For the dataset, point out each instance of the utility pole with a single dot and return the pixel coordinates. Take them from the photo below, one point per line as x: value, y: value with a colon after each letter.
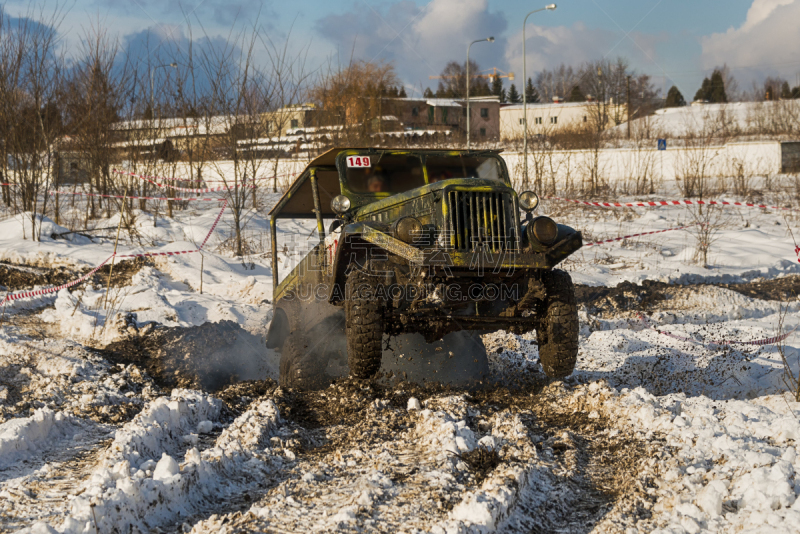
x: 549, y: 7
x: 488, y: 40
x: 628, y: 91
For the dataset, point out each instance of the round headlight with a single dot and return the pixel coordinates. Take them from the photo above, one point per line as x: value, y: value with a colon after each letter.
x: 408, y: 229
x: 544, y: 230
x: 340, y: 204
x: 528, y: 200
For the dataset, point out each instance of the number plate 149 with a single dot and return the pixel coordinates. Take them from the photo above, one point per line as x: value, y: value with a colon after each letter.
x: 358, y: 161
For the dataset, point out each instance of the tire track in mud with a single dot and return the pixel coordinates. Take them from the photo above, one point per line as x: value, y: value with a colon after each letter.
x: 44, y: 495
x: 354, y: 457
x: 412, y: 470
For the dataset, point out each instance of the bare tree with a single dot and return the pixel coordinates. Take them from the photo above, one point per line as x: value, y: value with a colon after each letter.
x: 557, y: 82
x: 453, y: 81
x: 351, y: 96
x: 285, y: 86
x: 92, y: 105
x: 35, y: 104
x: 236, y: 98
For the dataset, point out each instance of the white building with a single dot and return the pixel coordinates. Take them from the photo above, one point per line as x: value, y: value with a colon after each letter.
x: 544, y: 119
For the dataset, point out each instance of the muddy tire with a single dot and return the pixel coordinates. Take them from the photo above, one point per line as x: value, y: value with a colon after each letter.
x: 557, y: 329
x: 365, y: 318
x: 299, y: 367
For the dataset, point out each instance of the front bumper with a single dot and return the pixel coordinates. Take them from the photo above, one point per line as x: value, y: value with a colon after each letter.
x: 478, y: 259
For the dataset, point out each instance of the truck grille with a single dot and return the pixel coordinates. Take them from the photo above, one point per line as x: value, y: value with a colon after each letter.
x: 481, y: 221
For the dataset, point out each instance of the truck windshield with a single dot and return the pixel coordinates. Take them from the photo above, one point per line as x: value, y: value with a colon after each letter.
x: 383, y: 173
x: 462, y: 166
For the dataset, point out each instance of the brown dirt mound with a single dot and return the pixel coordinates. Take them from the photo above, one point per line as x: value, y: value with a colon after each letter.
x: 786, y: 288
x: 15, y: 277
x: 650, y: 294
x: 625, y: 296
x: 207, y: 357
x: 19, y: 277
x: 123, y: 271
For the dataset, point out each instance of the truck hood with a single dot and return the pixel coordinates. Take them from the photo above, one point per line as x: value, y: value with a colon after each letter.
x: 471, y: 183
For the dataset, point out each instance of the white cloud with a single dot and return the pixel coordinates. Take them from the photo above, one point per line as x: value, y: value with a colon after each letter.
x: 420, y: 42
x: 548, y: 47
x: 769, y: 36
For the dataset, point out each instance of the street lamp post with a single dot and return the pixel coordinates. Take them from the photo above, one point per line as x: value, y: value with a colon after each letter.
x: 488, y: 40
x: 152, y: 91
x: 525, y: 94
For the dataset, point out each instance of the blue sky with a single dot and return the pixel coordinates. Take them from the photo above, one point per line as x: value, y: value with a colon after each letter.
x: 675, y: 41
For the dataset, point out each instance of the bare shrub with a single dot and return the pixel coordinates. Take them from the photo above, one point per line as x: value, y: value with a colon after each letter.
x: 707, y: 222
x: 791, y: 379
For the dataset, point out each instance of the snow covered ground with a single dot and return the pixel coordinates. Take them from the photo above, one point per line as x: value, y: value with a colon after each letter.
x: 651, y: 433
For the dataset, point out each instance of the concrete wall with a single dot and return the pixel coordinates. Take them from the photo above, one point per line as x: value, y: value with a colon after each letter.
x: 571, y: 168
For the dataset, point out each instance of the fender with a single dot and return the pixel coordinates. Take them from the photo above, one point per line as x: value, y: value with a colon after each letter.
x: 355, y: 242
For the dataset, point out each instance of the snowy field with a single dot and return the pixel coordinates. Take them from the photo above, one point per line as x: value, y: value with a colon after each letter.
x: 663, y: 427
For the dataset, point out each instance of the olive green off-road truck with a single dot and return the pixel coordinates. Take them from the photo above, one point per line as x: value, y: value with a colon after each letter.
x: 426, y: 241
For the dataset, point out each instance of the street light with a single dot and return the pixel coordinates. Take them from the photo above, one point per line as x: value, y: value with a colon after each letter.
x: 549, y: 7
x: 152, y: 92
x: 488, y: 40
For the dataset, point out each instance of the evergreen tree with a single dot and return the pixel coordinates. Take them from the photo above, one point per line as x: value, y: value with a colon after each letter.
x: 718, y: 87
x: 796, y: 92
x: 513, y: 95
x: 576, y: 95
x: 675, y: 98
x: 497, y: 86
x: 786, y: 93
x: 503, y: 96
x: 402, y: 93
x: 531, y: 95
x: 441, y: 92
x: 427, y: 93
x: 704, y: 93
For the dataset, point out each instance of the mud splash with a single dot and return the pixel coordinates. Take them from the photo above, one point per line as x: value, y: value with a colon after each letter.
x: 207, y: 357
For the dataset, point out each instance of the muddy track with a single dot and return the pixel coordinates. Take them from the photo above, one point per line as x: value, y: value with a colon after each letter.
x: 377, y: 465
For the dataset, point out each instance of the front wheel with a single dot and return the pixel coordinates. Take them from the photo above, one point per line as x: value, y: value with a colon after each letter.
x: 558, y: 325
x: 364, y: 311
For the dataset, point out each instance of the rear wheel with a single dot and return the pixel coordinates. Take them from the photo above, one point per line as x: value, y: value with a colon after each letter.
x: 557, y: 329
x: 365, y: 323
x: 299, y: 367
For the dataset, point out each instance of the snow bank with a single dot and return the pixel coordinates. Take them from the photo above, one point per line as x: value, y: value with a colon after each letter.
x: 26, y: 436
x: 734, y: 466
x: 485, y: 510
x: 142, y: 485
x: 442, y: 427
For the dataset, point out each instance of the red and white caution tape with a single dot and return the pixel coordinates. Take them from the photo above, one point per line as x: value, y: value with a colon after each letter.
x: 654, y: 203
x: 637, y: 235
x: 216, y: 222
x: 649, y: 323
x: 176, y: 253
x: 12, y: 297
x: 130, y: 197
x: 209, y: 181
x: 47, y: 290
x: 185, y: 189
